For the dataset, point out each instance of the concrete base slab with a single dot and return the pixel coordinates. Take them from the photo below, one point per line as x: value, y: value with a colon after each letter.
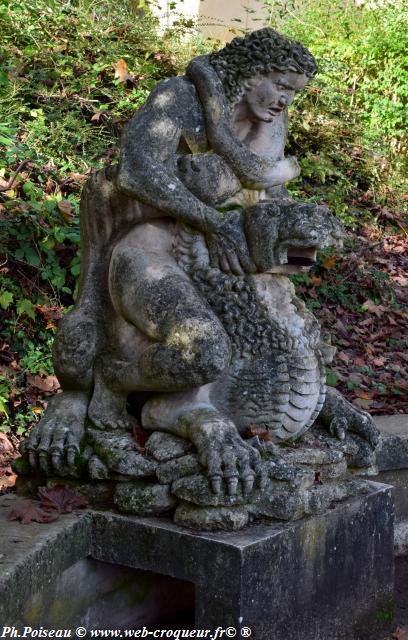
x: 329, y: 576
x: 394, y: 451
x: 393, y: 459
x: 401, y: 539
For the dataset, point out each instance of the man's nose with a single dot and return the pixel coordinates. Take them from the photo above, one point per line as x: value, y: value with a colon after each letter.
x: 283, y: 100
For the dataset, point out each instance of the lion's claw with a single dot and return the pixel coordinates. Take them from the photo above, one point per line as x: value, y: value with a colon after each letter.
x: 227, y: 457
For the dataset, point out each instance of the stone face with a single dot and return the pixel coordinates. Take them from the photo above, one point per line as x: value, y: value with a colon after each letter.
x: 186, y: 312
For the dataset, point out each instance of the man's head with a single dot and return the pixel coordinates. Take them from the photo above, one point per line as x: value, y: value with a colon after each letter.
x: 244, y: 62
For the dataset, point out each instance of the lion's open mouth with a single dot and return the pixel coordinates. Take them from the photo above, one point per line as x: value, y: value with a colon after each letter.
x: 301, y: 257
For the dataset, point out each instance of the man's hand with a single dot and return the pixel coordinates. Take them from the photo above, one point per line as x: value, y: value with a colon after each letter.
x: 228, y: 247
x: 283, y: 171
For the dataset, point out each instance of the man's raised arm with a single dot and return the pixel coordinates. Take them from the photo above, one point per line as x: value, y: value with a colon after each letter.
x: 149, y: 142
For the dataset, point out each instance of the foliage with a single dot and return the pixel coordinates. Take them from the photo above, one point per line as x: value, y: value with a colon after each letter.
x: 73, y: 72
x: 348, y: 128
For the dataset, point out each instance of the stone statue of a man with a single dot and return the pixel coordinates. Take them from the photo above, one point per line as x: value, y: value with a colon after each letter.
x: 184, y: 297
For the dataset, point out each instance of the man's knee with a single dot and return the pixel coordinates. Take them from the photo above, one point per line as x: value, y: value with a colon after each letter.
x: 74, y: 351
x: 204, y: 348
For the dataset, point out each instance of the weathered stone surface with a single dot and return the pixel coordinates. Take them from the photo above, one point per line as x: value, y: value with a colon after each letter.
x: 186, y: 306
x: 165, y: 446
x: 401, y: 539
x: 281, y: 505
x: 32, y: 556
x: 398, y: 478
x: 97, y: 469
x: 98, y: 595
x: 211, y: 518
x: 394, y: 452
x: 144, y: 498
x: 328, y: 576
x: 392, y: 425
x: 197, y: 489
x: 178, y: 468
x: 118, y: 452
x: 98, y: 493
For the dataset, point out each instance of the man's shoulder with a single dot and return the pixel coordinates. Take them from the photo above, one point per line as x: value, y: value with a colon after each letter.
x: 177, y: 86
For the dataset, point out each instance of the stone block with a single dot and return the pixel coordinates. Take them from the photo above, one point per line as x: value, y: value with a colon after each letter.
x: 398, y: 478
x: 32, y: 556
x: 394, y: 450
x: 144, y: 498
x: 321, y: 577
x: 328, y: 576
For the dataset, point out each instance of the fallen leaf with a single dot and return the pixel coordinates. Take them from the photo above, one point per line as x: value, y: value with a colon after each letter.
x: 8, y: 480
x: 6, y: 447
x: 379, y: 362
x: 362, y: 393
x: 362, y: 403
x: 343, y: 356
x: 122, y: 71
x: 61, y: 498
x: 140, y: 435
x: 330, y: 262
x: 66, y: 209
x: 27, y: 511
x: 403, y: 385
x: 48, y: 384
x: 97, y: 116
x: 258, y: 430
x: 401, y: 633
x: 371, y: 307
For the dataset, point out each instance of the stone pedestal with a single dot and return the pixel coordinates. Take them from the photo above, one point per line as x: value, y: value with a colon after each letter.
x: 324, y: 577
x: 330, y: 576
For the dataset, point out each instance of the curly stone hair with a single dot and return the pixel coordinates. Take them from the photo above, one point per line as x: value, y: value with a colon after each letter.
x: 258, y: 53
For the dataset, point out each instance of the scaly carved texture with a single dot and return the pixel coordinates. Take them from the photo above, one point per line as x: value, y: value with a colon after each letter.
x: 275, y: 379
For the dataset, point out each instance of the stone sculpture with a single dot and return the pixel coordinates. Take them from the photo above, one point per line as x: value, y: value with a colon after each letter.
x: 186, y: 312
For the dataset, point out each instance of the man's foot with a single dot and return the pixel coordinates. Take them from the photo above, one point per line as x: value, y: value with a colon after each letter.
x: 54, y: 443
x: 107, y: 409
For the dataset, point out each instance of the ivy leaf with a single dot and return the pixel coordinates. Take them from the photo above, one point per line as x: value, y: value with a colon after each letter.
x: 32, y: 257
x: 331, y: 378
x: 27, y: 307
x: 6, y: 298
